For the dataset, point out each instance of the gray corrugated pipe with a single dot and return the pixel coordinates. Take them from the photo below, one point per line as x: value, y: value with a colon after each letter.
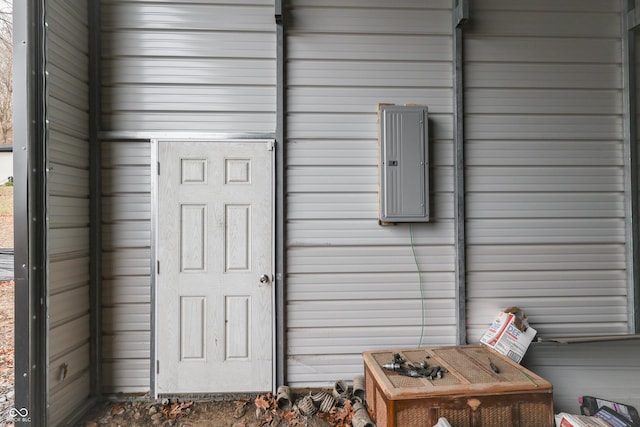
x: 361, y: 416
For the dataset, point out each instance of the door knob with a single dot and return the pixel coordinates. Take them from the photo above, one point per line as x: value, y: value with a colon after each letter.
x: 264, y: 278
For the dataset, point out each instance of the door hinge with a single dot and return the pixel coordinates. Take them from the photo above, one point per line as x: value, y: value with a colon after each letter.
x: 271, y: 145
x: 157, y: 366
x: 158, y: 267
x: 158, y: 168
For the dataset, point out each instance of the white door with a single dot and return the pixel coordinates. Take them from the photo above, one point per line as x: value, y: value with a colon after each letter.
x: 214, y: 243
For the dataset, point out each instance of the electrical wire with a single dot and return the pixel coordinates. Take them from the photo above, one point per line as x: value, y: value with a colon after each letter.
x: 415, y: 259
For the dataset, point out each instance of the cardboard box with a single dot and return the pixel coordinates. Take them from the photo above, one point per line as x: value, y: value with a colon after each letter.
x: 570, y: 420
x: 504, y: 337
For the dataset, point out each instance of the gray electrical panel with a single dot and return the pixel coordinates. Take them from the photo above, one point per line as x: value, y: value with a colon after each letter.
x: 404, y: 161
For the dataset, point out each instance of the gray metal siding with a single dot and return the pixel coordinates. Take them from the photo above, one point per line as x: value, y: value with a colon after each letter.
x: 198, y: 66
x: 352, y: 285
x: 544, y: 173
x: 544, y: 142
x: 68, y: 207
x: 126, y: 246
x: 167, y: 66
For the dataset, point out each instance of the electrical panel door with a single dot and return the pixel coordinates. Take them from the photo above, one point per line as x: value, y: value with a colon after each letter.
x: 404, y: 161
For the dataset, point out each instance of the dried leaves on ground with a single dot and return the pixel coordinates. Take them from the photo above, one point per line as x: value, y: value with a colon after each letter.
x: 260, y: 410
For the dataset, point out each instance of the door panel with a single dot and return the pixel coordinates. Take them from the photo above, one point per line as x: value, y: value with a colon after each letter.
x: 214, y: 321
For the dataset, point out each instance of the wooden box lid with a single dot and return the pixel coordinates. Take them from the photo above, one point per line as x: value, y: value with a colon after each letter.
x: 468, y: 372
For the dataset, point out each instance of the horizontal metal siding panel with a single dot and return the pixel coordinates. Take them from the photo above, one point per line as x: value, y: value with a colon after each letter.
x: 126, y: 180
x: 542, y: 50
x: 175, y: 121
x: 69, y: 273
x: 370, y: 313
x: 215, y: 67
x: 67, y: 198
x: 344, y: 179
x: 68, y: 19
x: 564, y: 355
x: 545, y: 179
x: 353, y: 285
x: 127, y: 262
x: 68, y: 150
x: 214, y: 49
x: 323, y: 371
x: 359, y: 259
x: 126, y: 246
x: 350, y: 206
x: 193, y: 16
x: 365, y: 100
x: 370, y: 47
x: 376, y: 4
x: 550, y: 257
x: 68, y: 336
x: 125, y: 153
x: 542, y: 75
x: 332, y: 206
x: 69, y: 368
x: 331, y: 233
x: 65, y: 403
x: 353, y: 153
x: 373, y: 286
x: 68, y: 305
x: 366, y: 19
x: 126, y: 290
x: 208, y: 2
x: 395, y: 74
x: 556, y: 23
x: 194, y: 71
x: 67, y: 119
x: 580, y: 367
x: 126, y: 235
x: 193, y: 98
x: 545, y: 231
x: 65, y: 241
x: 356, y: 126
x: 67, y: 88
x: 126, y: 376
x: 544, y: 152
x: 543, y: 101
x: 544, y: 127
x: 546, y: 205
x: 349, y: 340
x: 129, y: 345
x: 552, y: 5
x: 564, y: 316
x: 538, y: 284
x: 545, y: 182
x: 546, y: 268
x: 126, y: 207
x: 126, y: 317
x: 341, y: 179
x: 72, y: 56
x: 67, y: 212
x: 68, y: 181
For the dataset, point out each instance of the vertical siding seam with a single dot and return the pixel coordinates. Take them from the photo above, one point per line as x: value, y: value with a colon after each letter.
x: 280, y: 313
x: 460, y: 17
x: 95, y: 153
x: 629, y: 71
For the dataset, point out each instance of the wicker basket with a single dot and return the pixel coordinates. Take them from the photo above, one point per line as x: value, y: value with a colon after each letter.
x: 469, y: 394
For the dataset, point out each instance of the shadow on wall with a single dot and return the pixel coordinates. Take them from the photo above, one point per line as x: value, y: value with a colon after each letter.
x: 609, y: 370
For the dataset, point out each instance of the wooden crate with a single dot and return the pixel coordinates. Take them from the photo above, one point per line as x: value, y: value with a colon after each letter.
x: 470, y: 394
